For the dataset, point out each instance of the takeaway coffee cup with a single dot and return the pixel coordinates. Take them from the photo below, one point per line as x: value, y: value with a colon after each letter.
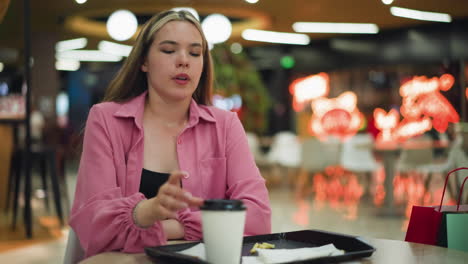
x: 223, y: 228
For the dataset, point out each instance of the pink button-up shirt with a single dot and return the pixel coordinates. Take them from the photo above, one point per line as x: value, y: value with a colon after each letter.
x: 212, y: 149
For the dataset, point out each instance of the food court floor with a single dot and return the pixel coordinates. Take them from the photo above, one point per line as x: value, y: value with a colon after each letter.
x: 356, y: 217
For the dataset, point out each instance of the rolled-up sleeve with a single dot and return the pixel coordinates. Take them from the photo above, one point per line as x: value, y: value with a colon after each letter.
x: 191, y: 220
x: 101, y: 215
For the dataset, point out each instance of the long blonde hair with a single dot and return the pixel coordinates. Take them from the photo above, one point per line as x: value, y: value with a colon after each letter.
x: 131, y: 81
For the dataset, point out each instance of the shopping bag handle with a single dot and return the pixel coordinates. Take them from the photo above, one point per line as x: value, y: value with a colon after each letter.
x: 445, y: 185
x: 461, y: 193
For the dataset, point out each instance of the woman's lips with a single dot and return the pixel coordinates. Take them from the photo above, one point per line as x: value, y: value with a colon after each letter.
x: 181, y: 79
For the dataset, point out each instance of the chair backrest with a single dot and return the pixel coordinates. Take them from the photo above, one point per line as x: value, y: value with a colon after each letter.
x: 254, y: 146
x: 285, y: 150
x: 456, y: 156
x: 312, y: 155
x: 73, y: 253
x: 357, y: 154
x: 332, y: 149
x: 419, y: 152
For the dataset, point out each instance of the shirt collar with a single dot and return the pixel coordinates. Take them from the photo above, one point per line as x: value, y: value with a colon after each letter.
x: 199, y: 111
x: 135, y: 108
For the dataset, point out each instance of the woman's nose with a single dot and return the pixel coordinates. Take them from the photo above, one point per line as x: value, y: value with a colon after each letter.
x: 182, y: 61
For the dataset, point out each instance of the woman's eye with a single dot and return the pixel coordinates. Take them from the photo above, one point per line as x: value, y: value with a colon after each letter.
x: 168, y: 51
x: 195, y: 54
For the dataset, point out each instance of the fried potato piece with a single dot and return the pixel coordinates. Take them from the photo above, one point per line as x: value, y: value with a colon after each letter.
x: 263, y: 245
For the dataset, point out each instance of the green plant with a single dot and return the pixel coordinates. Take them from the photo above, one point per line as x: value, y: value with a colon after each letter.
x: 235, y: 74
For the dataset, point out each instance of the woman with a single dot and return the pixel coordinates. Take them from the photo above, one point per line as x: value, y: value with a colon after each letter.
x: 153, y: 129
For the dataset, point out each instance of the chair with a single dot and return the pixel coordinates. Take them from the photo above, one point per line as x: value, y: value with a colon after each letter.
x: 455, y: 158
x: 285, y: 154
x: 357, y: 156
x: 74, y: 253
x: 285, y: 150
x: 316, y: 156
x: 254, y: 145
x: 46, y: 157
x: 416, y: 153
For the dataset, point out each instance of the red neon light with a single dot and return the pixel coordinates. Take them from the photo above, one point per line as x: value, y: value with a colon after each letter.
x: 308, y: 88
x: 386, y: 122
x: 422, y: 98
x: 446, y: 82
x: 423, y: 107
x: 336, y: 117
x: 419, y: 85
x: 407, y: 129
x: 341, y: 189
x: 435, y: 105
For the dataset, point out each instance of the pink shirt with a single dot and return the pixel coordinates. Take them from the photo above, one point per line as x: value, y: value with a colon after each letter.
x: 212, y: 149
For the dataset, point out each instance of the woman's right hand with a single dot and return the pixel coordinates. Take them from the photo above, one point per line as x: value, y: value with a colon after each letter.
x: 170, y: 199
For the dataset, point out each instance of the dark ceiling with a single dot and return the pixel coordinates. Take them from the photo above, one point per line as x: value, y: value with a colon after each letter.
x: 49, y: 15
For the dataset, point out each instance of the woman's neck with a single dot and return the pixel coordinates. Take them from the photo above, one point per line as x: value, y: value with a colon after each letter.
x: 170, y: 113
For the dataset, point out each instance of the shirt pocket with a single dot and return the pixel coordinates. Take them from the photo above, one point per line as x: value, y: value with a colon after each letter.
x: 213, y: 174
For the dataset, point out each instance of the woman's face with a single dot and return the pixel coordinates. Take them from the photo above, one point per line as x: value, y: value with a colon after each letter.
x: 174, y: 62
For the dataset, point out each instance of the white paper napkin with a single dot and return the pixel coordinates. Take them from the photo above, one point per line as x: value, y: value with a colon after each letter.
x: 271, y: 256
x: 196, y: 251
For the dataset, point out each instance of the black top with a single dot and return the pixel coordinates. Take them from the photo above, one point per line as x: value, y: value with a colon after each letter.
x: 151, y: 182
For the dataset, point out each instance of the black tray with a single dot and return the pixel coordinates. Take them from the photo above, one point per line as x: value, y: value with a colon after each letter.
x: 353, y: 246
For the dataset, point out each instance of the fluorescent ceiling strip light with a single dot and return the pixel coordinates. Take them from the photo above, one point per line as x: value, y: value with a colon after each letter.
x: 87, y: 55
x: 114, y: 48
x: 420, y: 15
x: 321, y: 27
x: 67, y: 65
x: 71, y: 44
x: 275, y: 37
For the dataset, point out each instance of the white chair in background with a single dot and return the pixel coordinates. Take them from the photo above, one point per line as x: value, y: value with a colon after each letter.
x: 357, y: 157
x: 416, y: 153
x: 73, y: 253
x: 455, y: 158
x: 285, y: 155
x: 255, y: 149
x: 285, y: 150
x: 316, y: 156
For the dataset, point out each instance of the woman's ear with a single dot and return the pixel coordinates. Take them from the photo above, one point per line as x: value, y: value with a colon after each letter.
x: 144, y: 66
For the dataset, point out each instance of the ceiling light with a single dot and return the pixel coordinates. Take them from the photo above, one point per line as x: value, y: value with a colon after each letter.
x: 387, y: 2
x: 251, y: 1
x: 275, y: 37
x: 67, y: 65
x: 217, y: 28
x: 420, y: 15
x: 236, y: 48
x: 188, y: 9
x: 81, y: 1
x: 71, y: 44
x: 122, y: 25
x: 350, y: 28
x: 114, y: 48
x: 87, y: 55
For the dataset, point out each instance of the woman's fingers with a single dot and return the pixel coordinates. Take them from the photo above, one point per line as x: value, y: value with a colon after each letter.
x: 171, y: 197
x: 172, y: 203
x: 192, y: 200
x: 176, y: 176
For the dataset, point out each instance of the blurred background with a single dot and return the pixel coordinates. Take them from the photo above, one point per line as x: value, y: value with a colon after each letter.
x: 354, y: 110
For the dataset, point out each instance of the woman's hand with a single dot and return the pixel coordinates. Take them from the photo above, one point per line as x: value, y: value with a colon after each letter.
x: 170, y: 199
x: 173, y: 229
